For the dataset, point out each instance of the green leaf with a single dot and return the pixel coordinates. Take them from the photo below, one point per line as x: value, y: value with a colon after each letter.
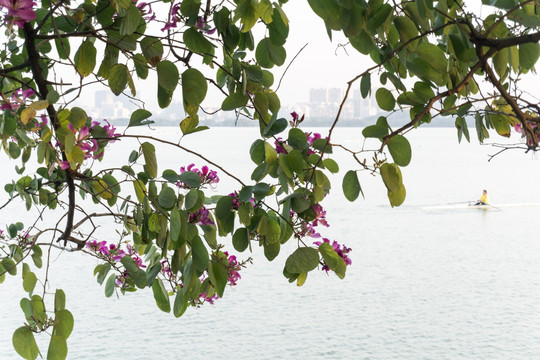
x: 9, y: 265
x: 63, y: 323
x: 190, y: 178
x: 528, y: 55
x: 302, y: 260
x: 29, y: 281
x: 197, y: 42
x: 224, y: 208
x: 130, y: 21
x: 235, y: 100
x: 433, y: 55
x: 77, y: 117
x: 240, y: 239
x: 351, y: 186
x: 118, y: 78
x: 297, y: 139
x: 152, y: 50
x: 180, y: 302
x: 375, y: 131
x: 85, y: 58
x: 140, y: 190
x: 385, y: 99
x: 62, y: 47
x: 397, y: 197
x: 199, y: 254
x: 219, y: 277
x: 365, y: 85
x: 139, y: 117
x: 109, y: 286
x: 391, y: 175
x: 194, y: 89
x: 400, y: 149
x: 268, y: 54
x: 161, y: 296
x: 57, y: 348
x: 168, y: 75
x: 257, y: 151
x: 175, y: 224
x: 333, y: 260
x: 149, y: 153
x: 331, y: 165
x: 25, y: 344
x: 167, y: 198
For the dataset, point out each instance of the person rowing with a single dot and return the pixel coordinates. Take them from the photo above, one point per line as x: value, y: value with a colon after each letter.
x: 484, y: 199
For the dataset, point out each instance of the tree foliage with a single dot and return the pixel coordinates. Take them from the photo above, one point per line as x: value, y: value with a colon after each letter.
x: 431, y: 59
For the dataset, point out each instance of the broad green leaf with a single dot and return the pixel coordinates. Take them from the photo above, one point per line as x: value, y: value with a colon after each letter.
x: 351, y: 186
x: 224, y: 208
x: 197, y: 42
x: 528, y: 55
x: 407, y: 30
x: 29, y: 281
x: 190, y: 178
x: 375, y: 131
x: 130, y: 21
x: 331, y: 165
x: 175, y: 224
x: 109, y: 285
x: 140, y: 117
x: 199, y: 254
x: 297, y: 139
x: 149, y: 153
x: 24, y: 343
x: 152, y: 50
x: 85, y: 58
x: 59, y: 300
x: 240, y: 239
x: 161, y: 296
x: 62, y: 47
x: 365, y: 85
x: 302, y: 260
x: 333, y: 260
x: 219, y: 277
x: 77, y: 117
x: 400, y: 149
x: 235, y: 100
x: 168, y: 75
x: 9, y: 265
x: 167, y: 198
x: 433, y: 55
x: 257, y: 151
x: 180, y: 302
x: 63, y: 323
x: 118, y: 78
x: 385, y: 99
x: 391, y: 175
x: 57, y: 348
x: 268, y: 54
x: 397, y: 197
x: 194, y: 88
x: 140, y: 190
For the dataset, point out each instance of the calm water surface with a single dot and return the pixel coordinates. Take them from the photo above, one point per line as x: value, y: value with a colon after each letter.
x: 424, y: 284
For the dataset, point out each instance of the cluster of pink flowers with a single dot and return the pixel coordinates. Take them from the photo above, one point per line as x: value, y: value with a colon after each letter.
x: 146, y: 10
x: 520, y: 130
x: 17, y: 98
x: 18, y: 11
x: 113, y: 253
x: 341, y: 250
x: 208, y: 177
x: 203, y: 26
x: 308, y: 228
x: 201, y: 217
x: 88, y: 145
x: 173, y: 18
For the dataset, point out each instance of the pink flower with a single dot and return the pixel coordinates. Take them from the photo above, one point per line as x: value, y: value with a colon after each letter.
x: 20, y: 11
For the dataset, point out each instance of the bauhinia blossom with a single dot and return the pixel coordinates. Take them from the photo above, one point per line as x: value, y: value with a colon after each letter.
x: 19, y: 11
x: 341, y: 250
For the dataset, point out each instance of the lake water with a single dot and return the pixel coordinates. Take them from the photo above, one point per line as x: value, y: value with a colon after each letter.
x: 424, y: 284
